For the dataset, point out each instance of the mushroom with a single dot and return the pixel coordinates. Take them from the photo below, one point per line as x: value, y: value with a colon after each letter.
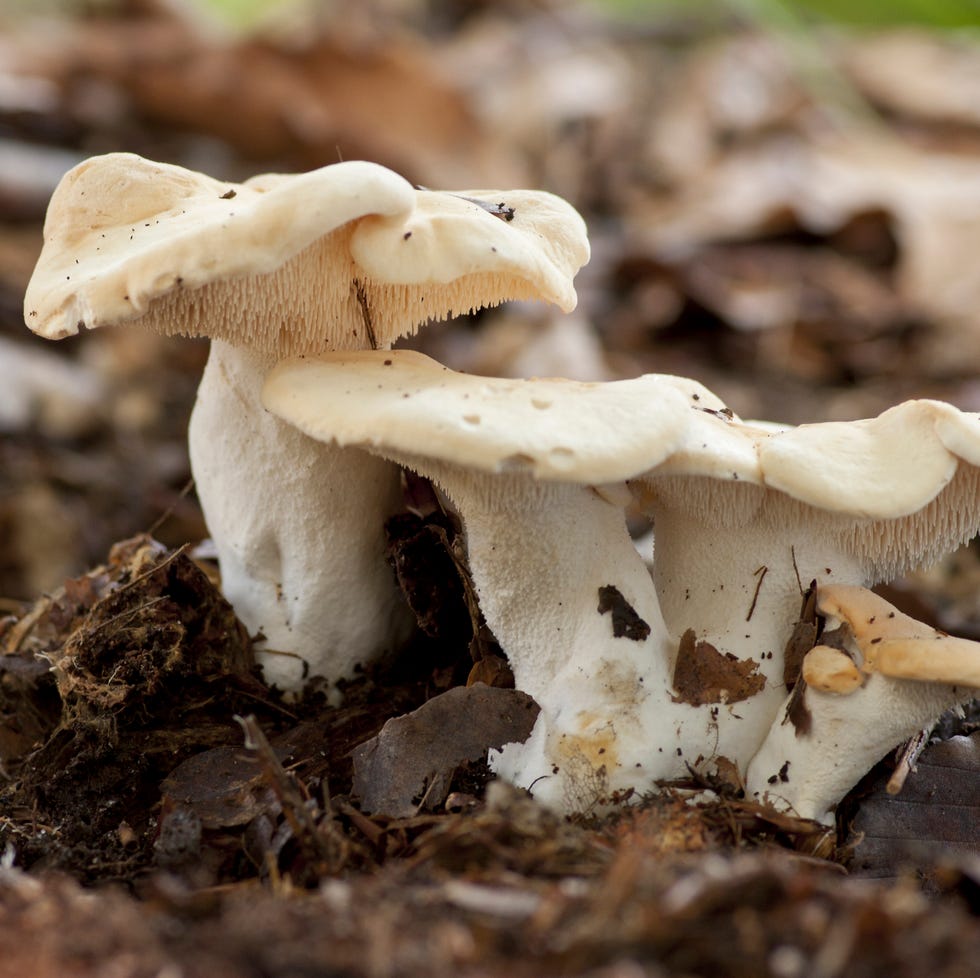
x: 347, y: 256
x: 902, y: 675
x: 837, y: 503
x: 535, y: 469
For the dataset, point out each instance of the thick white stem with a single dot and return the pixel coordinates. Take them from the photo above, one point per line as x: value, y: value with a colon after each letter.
x: 298, y: 527
x: 736, y: 582
x: 808, y: 771
x: 540, y: 553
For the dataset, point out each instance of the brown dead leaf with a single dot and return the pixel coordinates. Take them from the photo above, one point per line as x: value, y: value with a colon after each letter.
x: 223, y: 786
x: 932, y: 77
x: 419, y: 550
x: 705, y: 675
x: 409, y: 765
x: 492, y: 670
x: 425, y: 548
x: 801, y: 639
x: 309, y: 101
x: 936, y: 813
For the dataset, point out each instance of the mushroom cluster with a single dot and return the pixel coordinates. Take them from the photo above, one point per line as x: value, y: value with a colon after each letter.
x: 753, y: 647
x: 641, y: 678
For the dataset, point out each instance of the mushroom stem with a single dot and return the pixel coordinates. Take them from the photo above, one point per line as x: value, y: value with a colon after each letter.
x: 579, y: 619
x: 298, y: 528
x: 908, y: 674
x: 735, y: 577
x: 810, y: 772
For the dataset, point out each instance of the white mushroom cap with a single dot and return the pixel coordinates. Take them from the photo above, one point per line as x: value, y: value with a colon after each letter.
x: 909, y: 478
x: 275, y: 263
x: 406, y: 405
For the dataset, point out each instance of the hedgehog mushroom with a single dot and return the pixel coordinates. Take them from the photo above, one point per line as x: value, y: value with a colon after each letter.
x: 345, y: 257
x: 535, y: 468
x: 839, y: 503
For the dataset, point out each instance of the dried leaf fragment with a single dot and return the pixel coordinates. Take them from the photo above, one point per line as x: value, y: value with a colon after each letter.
x: 409, y: 765
x: 223, y: 786
x: 705, y: 675
x: 937, y: 812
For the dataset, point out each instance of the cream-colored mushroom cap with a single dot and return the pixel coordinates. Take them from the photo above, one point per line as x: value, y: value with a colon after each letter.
x: 909, y: 480
x: 896, y: 645
x: 896, y: 491
x: 347, y: 256
x: 404, y: 404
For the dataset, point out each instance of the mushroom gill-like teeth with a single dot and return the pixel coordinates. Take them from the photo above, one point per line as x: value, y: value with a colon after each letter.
x: 748, y: 515
x: 928, y: 455
x: 123, y: 234
x: 558, y: 578
x: 271, y: 268
x: 532, y: 242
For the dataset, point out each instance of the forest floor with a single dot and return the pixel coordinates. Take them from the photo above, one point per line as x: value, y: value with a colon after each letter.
x: 790, y: 220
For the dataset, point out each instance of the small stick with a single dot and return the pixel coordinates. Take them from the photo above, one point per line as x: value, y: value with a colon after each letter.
x: 328, y: 849
x: 169, y: 511
x: 796, y: 570
x: 362, y: 301
x: 761, y: 572
x: 906, y: 761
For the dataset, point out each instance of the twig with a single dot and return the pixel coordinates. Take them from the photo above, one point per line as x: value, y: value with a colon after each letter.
x: 362, y: 300
x: 169, y: 511
x: 906, y: 761
x: 762, y: 571
x: 326, y: 847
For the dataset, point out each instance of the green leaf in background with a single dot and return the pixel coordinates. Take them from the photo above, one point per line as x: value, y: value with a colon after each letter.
x: 885, y: 13
x: 948, y: 14
x: 243, y: 13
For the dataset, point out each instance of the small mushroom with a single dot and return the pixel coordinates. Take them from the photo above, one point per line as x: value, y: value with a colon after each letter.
x: 907, y: 675
x: 535, y: 469
x: 888, y: 641
x: 348, y: 256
